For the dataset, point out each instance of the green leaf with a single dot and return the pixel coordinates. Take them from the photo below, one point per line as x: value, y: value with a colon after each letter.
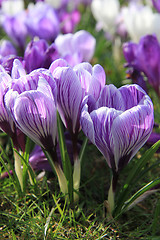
x: 66, y: 163
x: 13, y: 178
x: 25, y: 160
x: 29, y: 170
x: 134, y: 174
x: 141, y: 194
x: 155, y: 222
x: 85, y: 141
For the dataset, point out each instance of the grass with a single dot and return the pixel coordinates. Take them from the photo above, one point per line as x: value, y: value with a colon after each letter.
x: 45, y: 215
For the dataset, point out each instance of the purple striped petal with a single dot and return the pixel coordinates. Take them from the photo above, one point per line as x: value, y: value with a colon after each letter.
x: 132, y: 95
x: 85, y: 43
x: 84, y: 77
x: 129, y: 132
x: 58, y: 63
x: 111, y: 97
x: 6, y: 122
x: 17, y: 69
x: 102, y: 120
x: 30, y: 81
x: 92, y: 79
x: 34, y: 112
x: 35, y: 115
x: 85, y: 66
x: 70, y: 95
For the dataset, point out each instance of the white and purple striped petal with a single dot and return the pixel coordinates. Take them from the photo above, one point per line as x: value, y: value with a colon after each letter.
x: 70, y: 96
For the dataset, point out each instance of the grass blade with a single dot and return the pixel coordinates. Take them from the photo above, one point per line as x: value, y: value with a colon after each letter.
x: 141, y: 194
x: 130, y: 182
x: 66, y: 163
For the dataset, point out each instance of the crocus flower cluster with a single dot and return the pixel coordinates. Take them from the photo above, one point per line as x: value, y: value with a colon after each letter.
x: 40, y: 20
x: 74, y: 48
x: 117, y: 121
x: 50, y: 92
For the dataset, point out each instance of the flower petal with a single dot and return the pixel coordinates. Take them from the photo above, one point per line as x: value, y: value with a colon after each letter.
x: 35, y: 114
x: 129, y: 132
x: 70, y: 95
x: 111, y: 97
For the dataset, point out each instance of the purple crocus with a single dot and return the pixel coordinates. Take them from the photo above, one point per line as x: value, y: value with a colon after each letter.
x: 73, y: 84
x: 7, y: 48
x: 76, y: 48
x: 145, y: 57
x: 120, y: 123
x: 69, y: 20
x: 17, y: 34
x: 6, y: 122
x: 39, y: 54
x: 137, y: 78
x: 156, y: 4
x: 31, y: 101
x: 42, y: 21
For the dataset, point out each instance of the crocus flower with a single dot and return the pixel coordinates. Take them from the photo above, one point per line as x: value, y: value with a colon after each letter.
x: 76, y: 48
x: 145, y: 57
x: 105, y: 13
x: 17, y: 34
x: 7, y: 62
x: 120, y: 124
x: 69, y: 20
x: 6, y: 122
x: 39, y: 54
x: 7, y: 48
x: 42, y: 21
x: 153, y: 138
x: 137, y: 78
x: 140, y: 20
x: 156, y: 4
x: 73, y: 84
x: 31, y: 101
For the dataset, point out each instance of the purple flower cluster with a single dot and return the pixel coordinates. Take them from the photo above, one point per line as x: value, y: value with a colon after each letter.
x: 117, y: 121
x: 74, y: 48
x: 39, y: 20
x: 54, y: 77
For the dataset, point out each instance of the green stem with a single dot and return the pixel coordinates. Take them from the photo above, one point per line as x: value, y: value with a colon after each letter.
x: 111, y: 192
x: 83, y: 149
x: 76, y: 179
x: 18, y: 169
x: 58, y: 170
x: 111, y: 198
